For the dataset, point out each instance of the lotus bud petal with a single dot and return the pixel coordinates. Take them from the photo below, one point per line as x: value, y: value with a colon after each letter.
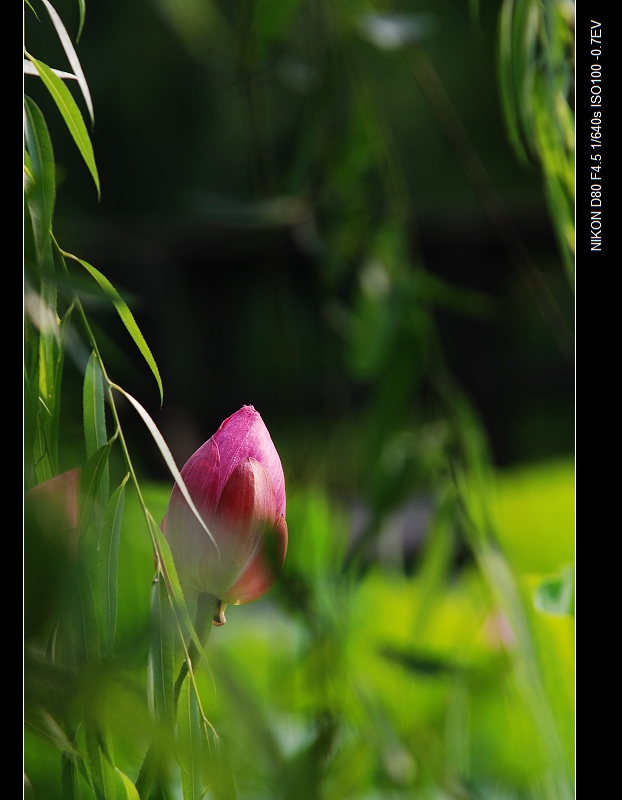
x: 237, y: 484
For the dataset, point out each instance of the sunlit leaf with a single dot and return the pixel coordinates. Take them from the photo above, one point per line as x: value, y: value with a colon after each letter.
x: 71, y: 54
x: 30, y: 69
x: 126, y: 316
x: 131, y: 792
x: 71, y: 114
x: 42, y: 310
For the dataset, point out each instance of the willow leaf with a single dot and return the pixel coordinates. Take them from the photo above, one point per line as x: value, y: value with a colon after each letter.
x: 30, y: 69
x: 87, y: 633
x: 131, y: 792
x: 72, y: 56
x: 126, y: 316
x: 71, y: 114
x: 41, y: 190
x: 102, y: 770
x: 108, y: 563
x: 191, y: 746
x: 94, y: 412
x: 46, y: 445
x: 70, y: 778
x: 219, y: 768
x: 162, y: 653
x: 94, y: 477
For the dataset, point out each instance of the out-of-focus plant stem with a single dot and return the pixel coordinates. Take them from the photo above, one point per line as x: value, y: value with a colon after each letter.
x: 207, y: 606
x: 494, y: 207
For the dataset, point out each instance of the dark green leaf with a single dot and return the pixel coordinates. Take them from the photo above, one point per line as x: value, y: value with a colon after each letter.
x: 86, y: 620
x: 162, y: 653
x: 41, y: 188
x: 94, y: 407
x: 82, y: 7
x: 220, y: 773
x: 107, y: 564
x: 94, y: 479
x: 192, y: 748
x: 102, y: 769
x: 70, y: 778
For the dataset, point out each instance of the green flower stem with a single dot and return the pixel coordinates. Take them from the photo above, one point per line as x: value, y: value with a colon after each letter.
x: 207, y: 608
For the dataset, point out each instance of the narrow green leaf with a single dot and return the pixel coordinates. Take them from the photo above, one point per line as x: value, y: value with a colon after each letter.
x: 192, y: 748
x: 126, y: 316
x: 219, y: 768
x: 43, y: 309
x: 86, y: 625
x: 94, y: 478
x: 102, y: 770
x: 71, y: 114
x: 82, y: 8
x: 71, y: 54
x: 41, y: 190
x: 131, y: 792
x: 70, y: 778
x: 162, y: 654
x: 108, y: 562
x: 94, y: 411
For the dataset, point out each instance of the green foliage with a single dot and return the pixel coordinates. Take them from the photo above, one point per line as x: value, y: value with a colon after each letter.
x: 82, y: 635
x: 367, y: 671
x: 536, y: 72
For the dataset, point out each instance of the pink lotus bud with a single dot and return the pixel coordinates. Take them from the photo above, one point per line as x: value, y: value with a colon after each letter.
x: 236, y: 482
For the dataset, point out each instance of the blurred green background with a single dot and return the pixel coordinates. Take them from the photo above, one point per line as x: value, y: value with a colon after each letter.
x: 316, y: 208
